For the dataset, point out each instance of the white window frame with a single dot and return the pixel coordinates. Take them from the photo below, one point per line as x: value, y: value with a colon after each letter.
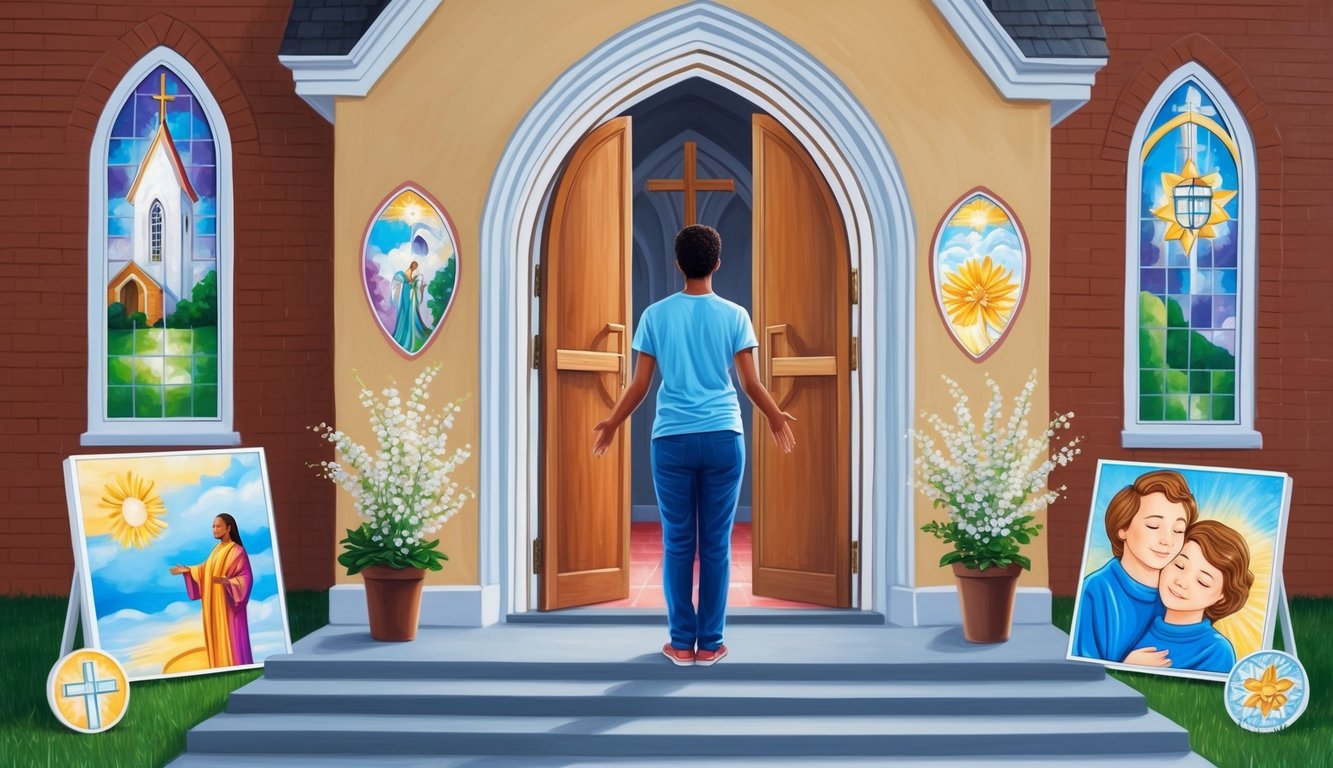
x: 1184, y: 434
x: 155, y: 219
x: 104, y: 431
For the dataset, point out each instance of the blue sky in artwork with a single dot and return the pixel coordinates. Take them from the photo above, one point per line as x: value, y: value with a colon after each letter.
x: 141, y: 579
x: 958, y: 243
x: 1259, y: 496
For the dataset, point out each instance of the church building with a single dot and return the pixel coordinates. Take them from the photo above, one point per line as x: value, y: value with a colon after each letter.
x: 216, y: 215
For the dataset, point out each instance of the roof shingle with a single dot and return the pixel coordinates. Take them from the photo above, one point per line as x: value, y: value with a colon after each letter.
x: 1052, y: 28
x: 328, y: 27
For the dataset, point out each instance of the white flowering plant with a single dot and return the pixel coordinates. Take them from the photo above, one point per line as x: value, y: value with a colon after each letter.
x: 992, y: 482
x: 403, y: 492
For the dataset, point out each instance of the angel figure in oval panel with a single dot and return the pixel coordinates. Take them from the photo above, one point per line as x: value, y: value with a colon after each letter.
x: 979, y: 271
x: 409, y: 267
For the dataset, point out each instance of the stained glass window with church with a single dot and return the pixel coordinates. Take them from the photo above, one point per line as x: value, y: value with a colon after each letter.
x: 161, y: 256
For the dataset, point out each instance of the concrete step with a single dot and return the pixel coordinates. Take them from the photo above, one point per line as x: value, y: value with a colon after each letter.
x: 1141, y: 760
x: 647, y: 737
x: 656, y: 617
x: 635, y: 698
x: 655, y: 667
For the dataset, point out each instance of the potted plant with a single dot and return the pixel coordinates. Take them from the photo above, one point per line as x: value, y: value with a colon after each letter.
x: 992, y: 482
x: 403, y: 492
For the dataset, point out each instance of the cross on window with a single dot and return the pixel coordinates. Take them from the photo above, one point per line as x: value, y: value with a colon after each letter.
x: 691, y: 183
x: 90, y: 689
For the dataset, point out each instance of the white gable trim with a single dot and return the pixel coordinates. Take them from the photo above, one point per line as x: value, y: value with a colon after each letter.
x: 103, y: 431
x: 703, y: 40
x: 320, y: 79
x: 1065, y: 82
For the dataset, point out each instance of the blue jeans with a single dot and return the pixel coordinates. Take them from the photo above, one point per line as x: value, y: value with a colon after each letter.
x: 698, y: 480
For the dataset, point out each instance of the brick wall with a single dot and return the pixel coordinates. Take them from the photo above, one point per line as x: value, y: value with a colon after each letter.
x: 1276, y: 61
x: 59, y: 62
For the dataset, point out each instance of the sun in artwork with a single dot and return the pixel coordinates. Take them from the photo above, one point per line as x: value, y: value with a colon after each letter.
x: 135, y: 510
x: 1194, y: 205
x: 409, y: 208
x: 1267, y: 692
x: 979, y: 214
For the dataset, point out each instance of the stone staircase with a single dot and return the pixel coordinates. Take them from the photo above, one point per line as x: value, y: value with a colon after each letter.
x: 532, y: 694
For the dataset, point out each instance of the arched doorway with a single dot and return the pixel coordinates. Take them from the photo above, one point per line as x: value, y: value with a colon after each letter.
x: 736, y: 53
x: 129, y: 298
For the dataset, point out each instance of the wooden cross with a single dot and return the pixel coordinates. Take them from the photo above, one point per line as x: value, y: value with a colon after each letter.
x: 691, y: 184
x: 162, y: 98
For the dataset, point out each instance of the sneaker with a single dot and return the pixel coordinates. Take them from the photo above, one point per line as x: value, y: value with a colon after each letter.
x: 705, y: 658
x: 679, y: 656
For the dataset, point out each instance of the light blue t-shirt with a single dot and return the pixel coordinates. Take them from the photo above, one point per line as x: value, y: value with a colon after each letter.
x: 694, y: 339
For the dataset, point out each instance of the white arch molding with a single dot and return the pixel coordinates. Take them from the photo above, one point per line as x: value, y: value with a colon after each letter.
x: 772, y: 72
x: 731, y: 50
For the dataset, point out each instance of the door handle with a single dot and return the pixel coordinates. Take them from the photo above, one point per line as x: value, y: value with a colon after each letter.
x: 769, y: 333
x: 624, y: 348
x: 590, y: 360
x: 794, y: 365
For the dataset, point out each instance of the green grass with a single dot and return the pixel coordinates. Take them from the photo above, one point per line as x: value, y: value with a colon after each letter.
x: 1197, y: 704
x: 152, y: 732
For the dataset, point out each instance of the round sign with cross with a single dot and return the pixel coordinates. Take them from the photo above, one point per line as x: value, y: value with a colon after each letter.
x: 88, y: 690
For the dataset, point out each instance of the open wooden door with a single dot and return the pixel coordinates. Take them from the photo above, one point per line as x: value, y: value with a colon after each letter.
x: 802, y: 296
x: 584, y: 359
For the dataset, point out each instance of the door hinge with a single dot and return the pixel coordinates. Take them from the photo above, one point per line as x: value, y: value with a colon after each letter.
x: 856, y: 286
x: 856, y: 557
x: 537, y: 281
x: 855, y: 349
x: 536, y: 350
x: 537, y: 556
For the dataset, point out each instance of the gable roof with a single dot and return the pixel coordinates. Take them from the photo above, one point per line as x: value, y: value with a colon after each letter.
x: 163, y: 136
x: 1040, y: 28
x: 1040, y: 50
x: 1052, y: 28
x: 328, y: 27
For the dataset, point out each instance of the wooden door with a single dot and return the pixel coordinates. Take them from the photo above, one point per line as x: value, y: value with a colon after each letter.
x: 584, y: 362
x: 802, y: 512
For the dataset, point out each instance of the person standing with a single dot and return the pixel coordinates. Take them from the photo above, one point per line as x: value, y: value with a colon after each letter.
x: 222, y: 584
x: 698, y: 445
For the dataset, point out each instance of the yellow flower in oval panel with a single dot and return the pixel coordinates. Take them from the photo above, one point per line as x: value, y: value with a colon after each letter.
x: 979, y: 271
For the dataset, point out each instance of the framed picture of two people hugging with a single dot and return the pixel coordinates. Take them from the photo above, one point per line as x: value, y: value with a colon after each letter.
x: 1182, y: 568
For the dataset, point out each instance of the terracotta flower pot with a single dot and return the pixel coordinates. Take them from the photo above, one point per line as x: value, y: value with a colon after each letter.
x: 987, y: 600
x: 393, y: 599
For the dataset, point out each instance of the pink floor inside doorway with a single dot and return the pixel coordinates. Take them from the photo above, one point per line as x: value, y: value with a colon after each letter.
x: 645, y: 576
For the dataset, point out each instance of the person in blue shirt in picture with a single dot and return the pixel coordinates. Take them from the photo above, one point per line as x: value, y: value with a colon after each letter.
x: 1146, y: 523
x: 1209, y: 580
x: 698, y: 445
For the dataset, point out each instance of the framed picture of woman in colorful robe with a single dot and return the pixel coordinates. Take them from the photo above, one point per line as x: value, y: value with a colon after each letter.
x: 178, y: 567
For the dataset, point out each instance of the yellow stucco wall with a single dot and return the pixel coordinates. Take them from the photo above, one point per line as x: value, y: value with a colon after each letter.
x: 443, y: 112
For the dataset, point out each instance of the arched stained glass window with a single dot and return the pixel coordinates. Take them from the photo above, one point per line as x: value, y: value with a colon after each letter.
x: 156, y: 225
x: 1189, y: 314
x: 160, y: 299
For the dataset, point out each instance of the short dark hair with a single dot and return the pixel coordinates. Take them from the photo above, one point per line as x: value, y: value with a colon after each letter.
x: 698, y: 249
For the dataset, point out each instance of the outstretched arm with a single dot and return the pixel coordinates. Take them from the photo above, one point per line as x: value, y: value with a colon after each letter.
x: 605, y: 430
x: 779, y: 421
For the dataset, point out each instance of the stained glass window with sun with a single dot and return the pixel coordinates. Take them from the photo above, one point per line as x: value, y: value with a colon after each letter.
x: 1189, y: 247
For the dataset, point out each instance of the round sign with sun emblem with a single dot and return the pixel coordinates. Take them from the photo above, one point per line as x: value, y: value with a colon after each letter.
x: 88, y: 691
x: 1267, y: 691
